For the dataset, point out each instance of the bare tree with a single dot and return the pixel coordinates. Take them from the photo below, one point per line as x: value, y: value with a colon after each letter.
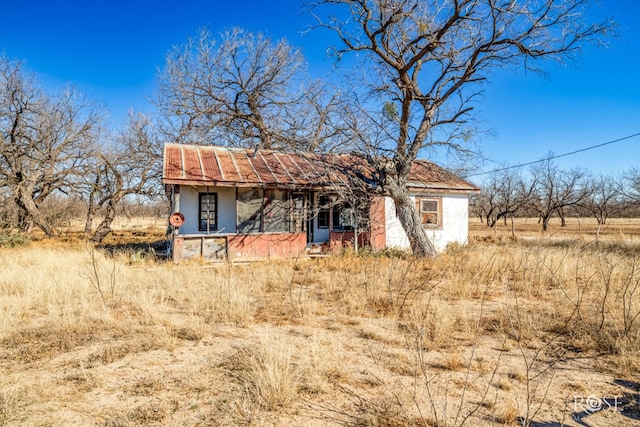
x: 630, y: 185
x: 129, y: 165
x: 45, y: 142
x: 424, y: 60
x: 244, y: 89
x: 555, y: 190
x: 629, y: 188
x: 503, y: 195
x: 602, y: 199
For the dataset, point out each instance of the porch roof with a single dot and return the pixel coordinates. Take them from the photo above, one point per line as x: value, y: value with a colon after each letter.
x: 225, y: 166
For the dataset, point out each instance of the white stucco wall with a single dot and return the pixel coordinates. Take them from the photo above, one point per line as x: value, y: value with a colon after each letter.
x: 226, y: 209
x: 455, y: 223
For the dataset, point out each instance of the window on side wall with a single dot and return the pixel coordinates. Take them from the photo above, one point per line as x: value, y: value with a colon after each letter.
x: 208, y: 212
x: 430, y: 211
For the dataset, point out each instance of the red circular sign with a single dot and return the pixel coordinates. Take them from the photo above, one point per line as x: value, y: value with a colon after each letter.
x: 176, y: 219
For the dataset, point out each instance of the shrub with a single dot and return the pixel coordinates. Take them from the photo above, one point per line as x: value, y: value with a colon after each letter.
x: 14, y: 240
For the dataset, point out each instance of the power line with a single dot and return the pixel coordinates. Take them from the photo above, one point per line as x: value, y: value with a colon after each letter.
x: 555, y: 156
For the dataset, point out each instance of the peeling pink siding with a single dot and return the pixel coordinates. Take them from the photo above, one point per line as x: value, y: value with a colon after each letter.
x: 377, y: 219
x: 264, y: 246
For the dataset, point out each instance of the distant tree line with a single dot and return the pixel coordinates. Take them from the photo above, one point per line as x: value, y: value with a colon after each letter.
x: 545, y: 191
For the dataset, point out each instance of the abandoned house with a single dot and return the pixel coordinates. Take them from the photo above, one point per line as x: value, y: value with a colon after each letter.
x: 239, y: 204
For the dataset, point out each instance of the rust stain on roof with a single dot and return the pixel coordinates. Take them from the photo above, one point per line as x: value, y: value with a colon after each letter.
x: 296, y: 170
x: 173, y: 163
x: 285, y: 168
x: 243, y: 166
x: 226, y: 166
x: 272, y: 165
x: 191, y: 163
x: 261, y: 168
x: 211, y: 171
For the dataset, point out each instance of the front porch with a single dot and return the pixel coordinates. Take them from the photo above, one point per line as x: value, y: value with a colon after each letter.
x: 237, y: 247
x: 253, y: 247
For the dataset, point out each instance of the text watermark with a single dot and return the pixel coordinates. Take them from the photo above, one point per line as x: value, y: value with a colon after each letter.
x: 593, y: 403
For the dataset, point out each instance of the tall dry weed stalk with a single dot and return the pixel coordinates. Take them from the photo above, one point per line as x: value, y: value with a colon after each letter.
x: 103, y: 275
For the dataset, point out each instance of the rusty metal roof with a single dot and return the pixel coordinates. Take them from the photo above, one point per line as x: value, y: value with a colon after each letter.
x: 226, y: 166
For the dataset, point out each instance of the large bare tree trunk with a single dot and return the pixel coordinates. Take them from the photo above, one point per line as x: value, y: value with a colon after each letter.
x: 563, y: 221
x: 92, y: 207
x: 545, y: 223
x: 406, y: 211
x: 32, y: 214
x: 25, y: 225
x: 88, y: 223
x: 104, y: 228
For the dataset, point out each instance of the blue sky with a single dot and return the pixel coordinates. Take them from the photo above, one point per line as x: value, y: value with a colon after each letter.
x: 111, y: 51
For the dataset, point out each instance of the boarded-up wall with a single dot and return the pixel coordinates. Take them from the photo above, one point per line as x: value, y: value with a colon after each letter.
x: 208, y: 247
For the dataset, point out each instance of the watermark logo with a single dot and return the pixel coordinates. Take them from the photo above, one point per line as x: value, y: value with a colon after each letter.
x: 593, y: 403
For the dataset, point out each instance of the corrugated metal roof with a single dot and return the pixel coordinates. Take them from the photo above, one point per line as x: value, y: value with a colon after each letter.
x: 226, y: 166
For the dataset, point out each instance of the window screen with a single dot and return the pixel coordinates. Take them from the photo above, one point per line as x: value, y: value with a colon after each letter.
x: 276, y: 211
x: 249, y: 207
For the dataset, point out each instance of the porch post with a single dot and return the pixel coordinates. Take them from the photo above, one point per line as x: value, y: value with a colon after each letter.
x: 176, y: 242
x: 176, y: 198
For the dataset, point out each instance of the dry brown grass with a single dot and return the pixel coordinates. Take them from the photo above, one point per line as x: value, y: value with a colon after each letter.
x: 503, y: 332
